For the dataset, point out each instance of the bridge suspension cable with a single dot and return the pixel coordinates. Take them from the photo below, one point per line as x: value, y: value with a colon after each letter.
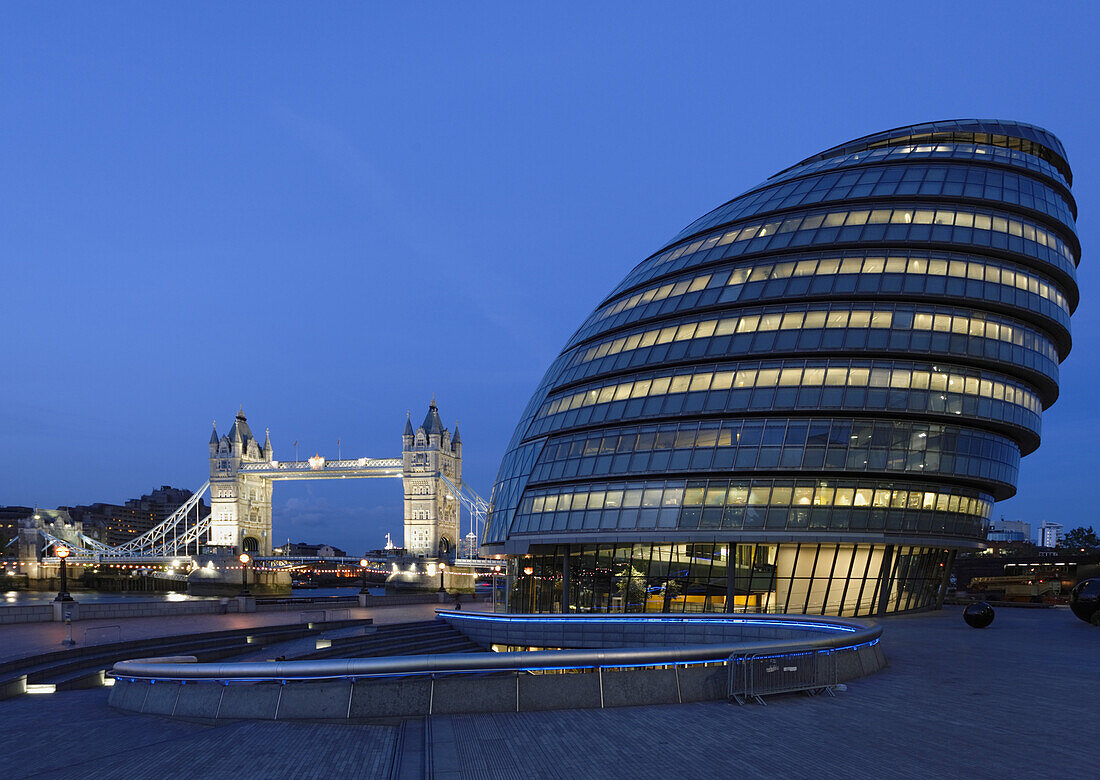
x: 477, y: 506
x: 165, y: 538
x: 178, y: 534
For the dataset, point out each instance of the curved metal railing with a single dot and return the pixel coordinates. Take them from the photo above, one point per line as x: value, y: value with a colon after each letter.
x: 822, y: 634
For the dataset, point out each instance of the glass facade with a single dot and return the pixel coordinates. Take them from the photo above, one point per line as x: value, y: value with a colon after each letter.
x: 710, y: 577
x: 810, y: 398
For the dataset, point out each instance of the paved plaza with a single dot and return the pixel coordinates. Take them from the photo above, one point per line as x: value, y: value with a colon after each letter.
x: 23, y: 639
x: 1019, y: 699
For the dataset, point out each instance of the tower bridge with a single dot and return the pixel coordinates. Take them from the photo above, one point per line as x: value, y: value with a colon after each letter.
x: 242, y: 480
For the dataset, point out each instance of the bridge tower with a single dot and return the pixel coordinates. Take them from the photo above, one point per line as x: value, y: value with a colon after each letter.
x: 431, y: 512
x: 240, y: 504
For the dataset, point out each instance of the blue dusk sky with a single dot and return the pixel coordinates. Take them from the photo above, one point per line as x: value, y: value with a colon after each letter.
x: 327, y: 212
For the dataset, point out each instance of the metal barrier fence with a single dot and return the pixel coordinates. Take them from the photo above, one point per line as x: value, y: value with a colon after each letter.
x: 103, y: 630
x: 754, y: 676
x: 757, y: 656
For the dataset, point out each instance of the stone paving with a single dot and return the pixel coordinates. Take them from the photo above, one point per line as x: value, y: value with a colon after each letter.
x: 1019, y: 699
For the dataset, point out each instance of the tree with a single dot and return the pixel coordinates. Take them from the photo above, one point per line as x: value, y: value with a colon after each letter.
x: 630, y: 584
x: 1080, y: 538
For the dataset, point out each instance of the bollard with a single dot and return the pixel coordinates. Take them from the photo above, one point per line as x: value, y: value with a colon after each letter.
x: 68, y: 640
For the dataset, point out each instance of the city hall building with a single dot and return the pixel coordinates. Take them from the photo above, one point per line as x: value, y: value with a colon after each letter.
x: 811, y: 397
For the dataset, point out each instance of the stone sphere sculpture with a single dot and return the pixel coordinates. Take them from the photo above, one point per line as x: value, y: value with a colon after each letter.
x: 1084, y: 600
x: 978, y: 615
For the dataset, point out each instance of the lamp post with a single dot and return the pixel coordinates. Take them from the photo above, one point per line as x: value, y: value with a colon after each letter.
x: 363, y: 565
x: 62, y: 552
x: 244, y: 558
x: 496, y: 571
x: 529, y: 570
x: 442, y: 569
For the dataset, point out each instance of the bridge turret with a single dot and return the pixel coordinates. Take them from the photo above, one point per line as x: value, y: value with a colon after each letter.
x: 456, y: 443
x: 240, y: 501
x: 431, y: 512
x: 214, y: 440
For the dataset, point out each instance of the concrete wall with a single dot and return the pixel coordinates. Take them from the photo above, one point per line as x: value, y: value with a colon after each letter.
x: 40, y: 613
x: 26, y: 613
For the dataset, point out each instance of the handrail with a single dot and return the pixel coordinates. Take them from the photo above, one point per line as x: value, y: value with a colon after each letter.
x: 832, y: 634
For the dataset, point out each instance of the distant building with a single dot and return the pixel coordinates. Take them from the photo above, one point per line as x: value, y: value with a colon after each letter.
x: 303, y: 550
x: 1009, y: 531
x: 1050, y: 534
x: 9, y: 527
x: 55, y: 522
x: 119, y: 523
x: 110, y: 523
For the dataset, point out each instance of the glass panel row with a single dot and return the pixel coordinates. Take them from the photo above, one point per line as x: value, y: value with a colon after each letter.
x: 761, y: 504
x: 958, y: 180
x: 741, y: 493
x: 802, y: 373
x: 830, y: 579
x: 737, y: 401
x: 817, y: 445
x: 825, y: 275
x: 911, y: 223
x: 823, y: 316
x: 979, y: 153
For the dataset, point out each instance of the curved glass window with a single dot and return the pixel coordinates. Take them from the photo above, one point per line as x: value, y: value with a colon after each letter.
x: 900, y: 386
x: 711, y: 576
x: 796, y: 443
x: 748, y: 504
x: 789, y: 328
x: 884, y: 181
x: 517, y: 464
x: 1008, y: 135
x: 942, y: 151
x: 927, y: 273
x: 912, y: 223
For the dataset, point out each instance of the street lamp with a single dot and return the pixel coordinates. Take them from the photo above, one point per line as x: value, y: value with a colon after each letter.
x: 244, y: 558
x: 363, y: 565
x: 62, y: 552
x: 529, y: 570
x: 496, y: 571
x: 442, y: 568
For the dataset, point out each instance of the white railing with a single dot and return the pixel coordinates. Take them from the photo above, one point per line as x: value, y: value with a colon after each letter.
x: 355, y: 464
